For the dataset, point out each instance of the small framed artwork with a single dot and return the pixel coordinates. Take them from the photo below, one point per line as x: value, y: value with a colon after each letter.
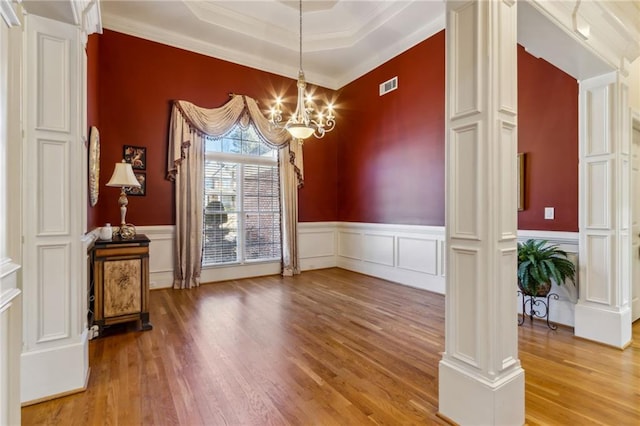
x: 136, y: 156
x: 142, y: 189
x: 521, y: 162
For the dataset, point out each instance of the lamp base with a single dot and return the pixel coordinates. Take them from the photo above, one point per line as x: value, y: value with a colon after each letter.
x: 127, y: 231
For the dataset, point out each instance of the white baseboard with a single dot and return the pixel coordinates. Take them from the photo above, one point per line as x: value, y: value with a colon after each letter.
x: 54, y: 371
x: 160, y: 279
x: 611, y: 327
x: 236, y: 272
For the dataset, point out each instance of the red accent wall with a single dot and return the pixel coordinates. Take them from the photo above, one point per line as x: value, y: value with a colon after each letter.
x: 548, y: 134
x: 384, y: 162
x: 391, y: 155
x: 139, y: 79
x: 318, y: 199
x: 93, y: 54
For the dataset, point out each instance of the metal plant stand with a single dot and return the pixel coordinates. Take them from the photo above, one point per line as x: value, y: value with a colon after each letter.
x: 537, y: 307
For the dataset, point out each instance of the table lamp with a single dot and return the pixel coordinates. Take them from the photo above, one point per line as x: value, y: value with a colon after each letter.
x: 124, y: 178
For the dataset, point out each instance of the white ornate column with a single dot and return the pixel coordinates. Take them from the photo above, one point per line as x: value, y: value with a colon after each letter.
x: 603, y: 311
x: 55, y: 358
x: 10, y: 293
x: 481, y: 381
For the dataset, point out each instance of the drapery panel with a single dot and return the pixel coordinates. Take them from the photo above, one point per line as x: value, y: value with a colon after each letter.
x: 190, y: 127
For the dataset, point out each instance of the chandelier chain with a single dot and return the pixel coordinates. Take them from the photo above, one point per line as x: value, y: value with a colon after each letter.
x: 300, y: 38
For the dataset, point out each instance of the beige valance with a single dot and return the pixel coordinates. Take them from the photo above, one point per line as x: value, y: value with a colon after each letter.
x: 189, y: 121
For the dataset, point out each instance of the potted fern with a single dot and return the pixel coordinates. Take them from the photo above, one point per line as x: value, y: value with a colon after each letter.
x: 540, y: 262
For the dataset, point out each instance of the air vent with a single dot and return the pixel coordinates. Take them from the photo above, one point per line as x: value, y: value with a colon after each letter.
x: 389, y: 86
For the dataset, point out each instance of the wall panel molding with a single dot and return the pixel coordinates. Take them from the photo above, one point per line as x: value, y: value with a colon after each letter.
x: 161, y: 249
x: 465, y: 101
x: 53, y: 74
x: 317, y: 242
x: 54, y: 280
x: 465, y: 181
x: 53, y: 187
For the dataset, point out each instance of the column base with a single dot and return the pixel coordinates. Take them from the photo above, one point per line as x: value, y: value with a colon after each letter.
x: 471, y: 400
x: 610, y: 327
x: 55, y: 371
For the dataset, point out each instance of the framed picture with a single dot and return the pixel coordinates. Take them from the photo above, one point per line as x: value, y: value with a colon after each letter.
x: 521, y: 162
x: 142, y: 190
x: 136, y: 156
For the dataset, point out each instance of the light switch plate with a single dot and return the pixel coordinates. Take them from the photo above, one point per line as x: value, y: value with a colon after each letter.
x: 549, y: 212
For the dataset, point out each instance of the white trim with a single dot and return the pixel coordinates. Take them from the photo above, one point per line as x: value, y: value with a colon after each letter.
x: 160, y: 254
x: 7, y: 298
x: 385, y: 258
x: 7, y: 267
x: 553, y: 237
x: 54, y: 370
x: 162, y: 35
x: 236, y: 272
x: 8, y: 13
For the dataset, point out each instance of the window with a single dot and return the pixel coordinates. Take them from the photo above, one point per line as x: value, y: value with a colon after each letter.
x: 241, y: 199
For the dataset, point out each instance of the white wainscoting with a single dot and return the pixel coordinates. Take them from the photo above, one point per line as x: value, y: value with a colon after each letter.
x: 406, y: 254
x: 160, y: 254
x: 317, y: 244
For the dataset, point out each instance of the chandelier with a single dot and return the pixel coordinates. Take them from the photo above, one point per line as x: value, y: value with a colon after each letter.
x: 301, y: 125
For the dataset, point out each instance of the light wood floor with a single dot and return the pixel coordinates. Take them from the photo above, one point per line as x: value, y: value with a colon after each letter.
x: 326, y: 347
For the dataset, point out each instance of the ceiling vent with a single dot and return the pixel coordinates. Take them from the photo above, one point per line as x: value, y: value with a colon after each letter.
x: 389, y: 86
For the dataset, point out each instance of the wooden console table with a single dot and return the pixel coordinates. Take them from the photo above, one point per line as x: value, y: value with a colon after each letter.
x: 121, y: 282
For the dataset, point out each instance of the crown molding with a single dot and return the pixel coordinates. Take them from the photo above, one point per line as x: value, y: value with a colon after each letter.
x: 428, y: 30
x: 611, y: 30
x: 272, y: 65
x: 164, y: 36
x: 8, y: 13
x: 286, y: 36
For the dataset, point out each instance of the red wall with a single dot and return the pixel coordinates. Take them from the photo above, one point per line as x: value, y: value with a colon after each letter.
x: 384, y: 162
x: 548, y: 134
x: 138, y: 79
x: 93, y: 52
x: 391, y: 154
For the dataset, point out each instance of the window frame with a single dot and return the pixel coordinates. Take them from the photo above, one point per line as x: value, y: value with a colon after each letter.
x: 241, y: 160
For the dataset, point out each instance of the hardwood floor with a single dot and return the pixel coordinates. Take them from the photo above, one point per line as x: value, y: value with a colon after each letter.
x: 326, y: 347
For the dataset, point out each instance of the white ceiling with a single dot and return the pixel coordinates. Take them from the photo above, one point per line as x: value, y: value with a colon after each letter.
x: 342, y: 39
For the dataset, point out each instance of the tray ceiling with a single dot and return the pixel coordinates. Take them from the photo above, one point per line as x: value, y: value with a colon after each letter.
x: 342, y: 39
